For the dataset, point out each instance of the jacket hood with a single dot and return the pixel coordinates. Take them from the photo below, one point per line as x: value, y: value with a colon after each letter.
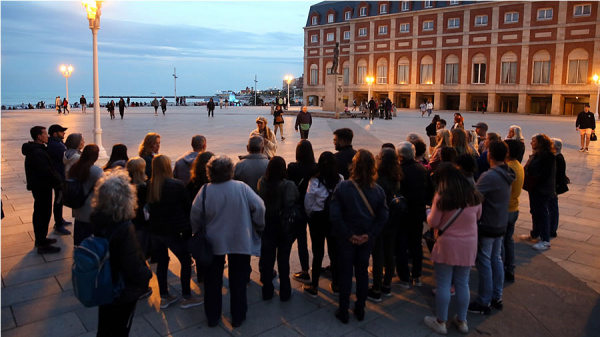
x: 506, y: 173
x: 28, y: 147
x: 189, y: 157
x: 70, y: 152
x: 254, y: 156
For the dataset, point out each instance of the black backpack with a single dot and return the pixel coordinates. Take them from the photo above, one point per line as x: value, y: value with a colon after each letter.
x: 73, y: 194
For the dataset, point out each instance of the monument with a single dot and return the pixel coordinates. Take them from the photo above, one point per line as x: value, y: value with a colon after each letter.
x: 334, y: 88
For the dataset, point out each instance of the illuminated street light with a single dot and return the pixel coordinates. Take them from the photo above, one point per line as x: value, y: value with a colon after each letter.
x: 369, y: 80
x: 597, y: 82
x: 288, y: 79
x: 66, y: 71
x: 93, y: 14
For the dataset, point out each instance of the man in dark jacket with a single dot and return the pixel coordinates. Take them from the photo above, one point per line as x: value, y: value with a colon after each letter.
x: 372, y: 106
x: 494, y: 185
x: 388, y: 108
x: 41, y: 178
x: 586, y: 125
x: 163, y: 105
x: 303, y: 122
x: 183, y: 165
x: 56, y: 151
x: 342, y: 139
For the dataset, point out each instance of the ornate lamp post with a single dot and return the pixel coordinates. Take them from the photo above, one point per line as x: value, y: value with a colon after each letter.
x: 66, y: 71
x: 93, y: 15
x: 288, y: 79
x: 597, y: 82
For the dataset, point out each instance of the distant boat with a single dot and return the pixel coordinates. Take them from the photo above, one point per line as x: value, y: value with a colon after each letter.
x: 152, y: 93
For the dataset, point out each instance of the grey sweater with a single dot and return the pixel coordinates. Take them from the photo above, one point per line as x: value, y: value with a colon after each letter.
x: 495, y: 185
x: 83, y: 213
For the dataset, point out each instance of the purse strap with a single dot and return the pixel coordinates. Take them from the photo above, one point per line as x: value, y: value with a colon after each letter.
x: 362, y: 195
x: 450, y: 221
x: 203, y: 229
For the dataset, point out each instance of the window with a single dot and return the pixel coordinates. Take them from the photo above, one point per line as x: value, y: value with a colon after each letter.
x: 347, y: 15
x: 330, y: 18
x: 346, y: 74
x: 382, y: 71
x: 428, y: 4
x: 313, y: 21
x: 454, y: 23
x: 347, y: 35
x: 403, y: 66
x: 361, y: 71
x: 314, y: 38
x: 314, y: 74
x: 541, y: 72
x: 582, y: 10
x: 363, y: 11
x: 405, y: 6
x: 453, y: 2
x: 578, y: 66
x: 383, y: 9
x: 481, y: 20
x: 479, y: 69
x: 405, y: 28
x: 511, y: 17
x: 451, y: 69
x: 508, y: 68
x: 426, y: 70
x: 330, y: 36
x: 328, y: 68
x: 544, y: 14
x: 428, y: 25
x: 383, y: 30
x: 362, y: 32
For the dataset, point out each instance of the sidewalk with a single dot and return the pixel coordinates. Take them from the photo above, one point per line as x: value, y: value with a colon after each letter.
x: 556, y: 293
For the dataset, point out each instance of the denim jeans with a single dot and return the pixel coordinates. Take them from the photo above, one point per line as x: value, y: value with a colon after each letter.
x: 490, y: 268
x: 553, y: 213
x: 539, y: 205
x: 445, y: 276
x: 508, y: 248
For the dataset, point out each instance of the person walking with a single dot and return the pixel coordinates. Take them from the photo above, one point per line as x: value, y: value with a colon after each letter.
x: 278, y: 121
x: 122, y: 107
x: 269, y: 139
x: 429, y: 108
x: 423, y: 108
x: 586, y: 125
x: 455, y: 210
x: 163, y: 105
x: 83, y: 103
x: 354, y: 105
x: 65, y: 106
x: 210, y: 107
x: 57, y: 104
x: 372, y: 107
x: 303, y: 122
x: 155, y: 105
x: 111, y: 109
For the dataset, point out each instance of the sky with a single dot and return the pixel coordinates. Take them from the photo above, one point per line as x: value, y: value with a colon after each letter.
x: 214, y: 45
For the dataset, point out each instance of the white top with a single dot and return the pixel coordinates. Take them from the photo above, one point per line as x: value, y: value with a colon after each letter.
x: 316, y: 194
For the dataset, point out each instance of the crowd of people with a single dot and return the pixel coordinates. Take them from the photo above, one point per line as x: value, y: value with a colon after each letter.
x: 465, y: 188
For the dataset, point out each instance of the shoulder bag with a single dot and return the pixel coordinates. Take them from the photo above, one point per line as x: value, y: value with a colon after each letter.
x: 431, y: 238
x: 199, y: 245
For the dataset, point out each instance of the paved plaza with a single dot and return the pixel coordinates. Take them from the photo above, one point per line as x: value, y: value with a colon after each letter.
x: 556, y: 293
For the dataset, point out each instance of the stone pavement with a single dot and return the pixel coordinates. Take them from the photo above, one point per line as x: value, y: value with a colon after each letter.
x: 555, y: 293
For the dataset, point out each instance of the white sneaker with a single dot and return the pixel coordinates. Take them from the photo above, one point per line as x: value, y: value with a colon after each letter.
x: 432, y: 322
x: 541, y: 245
x: 460, y: 325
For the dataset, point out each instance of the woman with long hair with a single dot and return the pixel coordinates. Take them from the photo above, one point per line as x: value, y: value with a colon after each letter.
x: 169, y: 224
x: 442, y: 140
x: 118, y: 157
x: 148, y: 149
x: 269, y: 139
x: 431, y: 132
x: 87, y: 173
x: 233, y: 217
x: 114, y: 204
x: 277, y: 193
x: 300, y: 173
x: 136, y: 167
x: 278, y: 121
x: 359, y: 213
x: 454, y: 252
x: 515, y: 132
x: 111, y: 109
x: 389, y: 175
x: 198, y: 174
x: 74, y: 144
x: 459, y: 121
x: 472, y: 141
x: 459, y: 141
x: 317, y: 205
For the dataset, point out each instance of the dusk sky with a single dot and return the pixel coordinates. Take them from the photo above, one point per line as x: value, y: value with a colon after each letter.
x: 214, y: 46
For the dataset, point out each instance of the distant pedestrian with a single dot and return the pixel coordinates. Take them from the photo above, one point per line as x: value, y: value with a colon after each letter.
x: 163, y: 105
x: 353, y: 105
x: 483, y: 108
x: 65, y: 106
x: 388, y: 108
x: 269, y: 139
x: 221, y: 103
x: 155, y: 105
x: 111, y: 109
x: 226, y: 103
x: 122, y: 107
x: 303, y: 122
x: 278, y: 121
x: 372, y: 106
x: 128, y: 101
x: 210, y: 107
x: 423, y: 108
x: 429, y: 108
x: 586, y: 125
x: 57, y: 103
x: 83, y: 103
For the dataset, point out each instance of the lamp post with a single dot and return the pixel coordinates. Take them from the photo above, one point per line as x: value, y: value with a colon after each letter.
x: 288, y: 79
x: 66, y: 71
x: 369, y: 80
x: 175, y: 81
x: 597, y: 82
x: 93, y: 14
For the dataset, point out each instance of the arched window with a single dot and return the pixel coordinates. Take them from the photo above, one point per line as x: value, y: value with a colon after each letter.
x: 426, y: 70
x: 451, y: 69
x: 479, y: 69
x: 346, y: 72
x: 403, y: 70
x: 314, y: 74
x: 382, y: 70
x: 508, y: 68
x: 361, y: 71
x: 578, y: 66
x: 328, y: 67
x: 541, y: 67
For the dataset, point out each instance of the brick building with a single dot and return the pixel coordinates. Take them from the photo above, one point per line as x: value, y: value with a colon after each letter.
x: 514, y: 56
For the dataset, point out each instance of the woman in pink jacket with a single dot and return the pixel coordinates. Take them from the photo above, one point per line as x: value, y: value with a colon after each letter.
x: 456, y: 247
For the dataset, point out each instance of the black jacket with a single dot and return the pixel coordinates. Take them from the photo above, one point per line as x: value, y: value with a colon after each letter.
x: 542, y: 166
x: 38, y: 167
x: 431, y: 129
x: 56, y: 151
x: 171, y: 215
x: 413, y: 187
x: 344, y: 159
x: 585, y: 120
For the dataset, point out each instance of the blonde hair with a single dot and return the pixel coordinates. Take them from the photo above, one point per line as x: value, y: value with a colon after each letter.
x: 148, y: 142
x: 161, y: 171
x: 442, y: 138
x: 136, y: 167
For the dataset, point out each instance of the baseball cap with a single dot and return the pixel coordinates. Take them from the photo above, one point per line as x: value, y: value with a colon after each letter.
x: 55, y: 128
x: 481, y: 125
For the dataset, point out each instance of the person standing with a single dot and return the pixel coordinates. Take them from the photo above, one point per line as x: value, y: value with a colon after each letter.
x: 210, y: 107
x: 111, y: 109
x: 278, y: 121
x: 431, y: 131
x: 184, y: 163
x: 221, y: 103
x: 429, y: 108
x: 252, y: 166
x: 74, y: 145
x: 388, y: 108
x: 163, y: 105
x: 57, y: 104
x: 41, y: 179
x: 303, y: 122
x: 269, y: 139
x: 56, y: 151
x: 128, y: 101
x: 354, y: 105
x: 561, y: 186
x: 155, y: 105
x: 508, y: 248
x: 423, y: 108
x: 83, y: 103
x: 586, y: 125
x: 342, y: 140
x: 372, y: 107
x: 226, y: 103
x: 122, y: 107
x: 148, y: 149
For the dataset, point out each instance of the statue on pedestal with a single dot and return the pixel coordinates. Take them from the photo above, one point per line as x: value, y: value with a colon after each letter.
x: 336, y: 56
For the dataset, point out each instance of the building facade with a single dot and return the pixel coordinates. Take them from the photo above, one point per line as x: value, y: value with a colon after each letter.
x: 509, y: 56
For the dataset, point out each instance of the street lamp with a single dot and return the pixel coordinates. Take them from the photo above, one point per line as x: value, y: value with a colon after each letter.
x: 93, y: 14
x: 66, y: 71
x: 288, y: 79
x: 369, y: 80
x: 597, y: 82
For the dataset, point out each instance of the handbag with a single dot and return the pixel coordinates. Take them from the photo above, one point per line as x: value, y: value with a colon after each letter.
x: 593, y: 137
x: 430, y: 237
x: 199, y: 245
x: 279, y: 119
x: 529, y: 182
x: 290, y: 219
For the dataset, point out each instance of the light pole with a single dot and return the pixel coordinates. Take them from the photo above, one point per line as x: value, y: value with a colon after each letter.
x: 66, y: 71
x: 175, y: 79
x: 93, y: 14
x: 597, y: 82
x: 255, y: 90
x: 369, y: 80
x: 288, y: 79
